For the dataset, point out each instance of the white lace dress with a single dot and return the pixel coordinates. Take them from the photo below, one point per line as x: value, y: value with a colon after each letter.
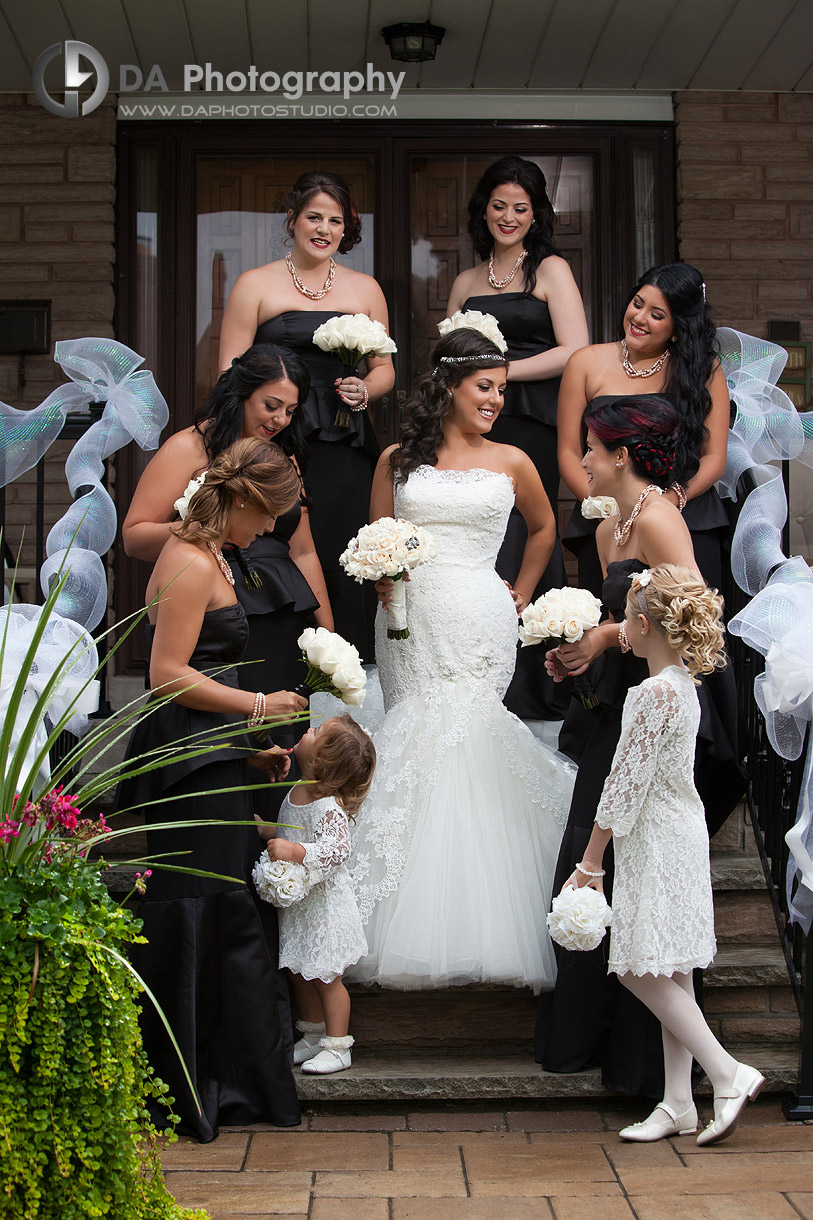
x: 456, y: 844
x: 663, y: 917
x: 323, y: 934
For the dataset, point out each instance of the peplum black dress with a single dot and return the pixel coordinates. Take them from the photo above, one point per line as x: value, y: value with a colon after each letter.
x: 528, y: 421
x: 339, y: 474
x: 211, y: 956
x: 589, y: 1017
x: 705, y: 517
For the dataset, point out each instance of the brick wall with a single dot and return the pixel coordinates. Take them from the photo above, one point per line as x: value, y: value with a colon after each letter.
x: 745, y: 203
x: 57, y: 188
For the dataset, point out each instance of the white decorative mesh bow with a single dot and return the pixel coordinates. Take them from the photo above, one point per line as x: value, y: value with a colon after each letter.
x: 778, y: 622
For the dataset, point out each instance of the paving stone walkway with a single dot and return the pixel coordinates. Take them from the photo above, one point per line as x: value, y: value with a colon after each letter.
x: 530, y: 1164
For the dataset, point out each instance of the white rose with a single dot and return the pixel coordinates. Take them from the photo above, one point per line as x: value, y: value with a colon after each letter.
x: 572, y: 630
x: 578, y: 918
x: 473, y: 319
x: 354, y: 698
x: 349, y: 675
x: 181, y: 505
x: 334, y: 654
x: 280, y: 882
x: 306, y: 639
x: 599, y: 507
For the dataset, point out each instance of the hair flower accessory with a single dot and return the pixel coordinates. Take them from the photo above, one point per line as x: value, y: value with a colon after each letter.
x: 181, y: 506
x: 642, y: 579
x: 473, y: 319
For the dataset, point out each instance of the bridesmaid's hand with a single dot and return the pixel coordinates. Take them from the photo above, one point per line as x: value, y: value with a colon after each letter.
x: 282, y: 703
x: 352, y: 391
x: 284, y: 849
x: 576, y: 658
x: 554, y: 666
x: 275, y: 761
x: 577, y: 881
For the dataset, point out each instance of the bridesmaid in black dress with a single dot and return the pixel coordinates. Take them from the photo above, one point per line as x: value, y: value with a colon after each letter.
x: 211, y: 956
x: 668, y: 347
x: 632, y: 449
x: 278, y: 578
x: 541, y: 316
x: 285, y: 301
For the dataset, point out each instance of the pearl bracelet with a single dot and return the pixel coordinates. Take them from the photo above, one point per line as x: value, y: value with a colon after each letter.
x: 680, y: 492
x: 362, y: 406
x: 586, y: 872
x: 258, y: 713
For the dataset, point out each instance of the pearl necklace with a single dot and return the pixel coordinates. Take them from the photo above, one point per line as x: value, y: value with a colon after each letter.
x: 653, y: 368
x: 313, y: 294
x: 221, y: 562
x: 621, y: 533
x: 492, y: 279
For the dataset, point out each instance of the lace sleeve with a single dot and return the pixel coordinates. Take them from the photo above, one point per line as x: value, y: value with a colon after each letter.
x: 636, y: 757
x: 330, y: 847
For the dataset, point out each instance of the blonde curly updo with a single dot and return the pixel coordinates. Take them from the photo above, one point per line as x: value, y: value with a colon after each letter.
x: 250, y: 471
x: 690, y: 614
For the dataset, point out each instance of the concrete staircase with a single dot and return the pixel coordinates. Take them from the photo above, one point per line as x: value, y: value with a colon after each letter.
x: 476, y: 1043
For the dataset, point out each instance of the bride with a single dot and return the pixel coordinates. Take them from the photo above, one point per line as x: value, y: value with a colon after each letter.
x: 457, y: 841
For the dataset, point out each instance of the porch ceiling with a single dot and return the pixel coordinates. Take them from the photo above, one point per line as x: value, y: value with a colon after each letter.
x: 504, y: 45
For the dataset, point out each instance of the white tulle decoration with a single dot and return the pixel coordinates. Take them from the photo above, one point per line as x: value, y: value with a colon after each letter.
x: 280, y: 882
x: 778, y: 622
x: 579, y: 918
x: 64, y: 644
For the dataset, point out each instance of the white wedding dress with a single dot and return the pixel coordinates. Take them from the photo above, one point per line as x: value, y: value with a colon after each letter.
x: 455, y: 848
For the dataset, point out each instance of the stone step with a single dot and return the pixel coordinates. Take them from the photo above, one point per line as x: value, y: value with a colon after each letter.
x: 455, y: 1076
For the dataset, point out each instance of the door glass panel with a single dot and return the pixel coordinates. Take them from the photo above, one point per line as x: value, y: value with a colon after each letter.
x: 441, y: 248
x: 241, y: 224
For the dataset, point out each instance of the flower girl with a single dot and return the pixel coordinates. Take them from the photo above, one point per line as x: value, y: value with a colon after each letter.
x: 663, y: 919
x: 321, y: 934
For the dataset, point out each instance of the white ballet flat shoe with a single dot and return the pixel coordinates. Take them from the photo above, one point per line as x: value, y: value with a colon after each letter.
x: 744, y: 1087
x: 663, y: 1121
x: 334, y: 1056
x: 308, y: 1045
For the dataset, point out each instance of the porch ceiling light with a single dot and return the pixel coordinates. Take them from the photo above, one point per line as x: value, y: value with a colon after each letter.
x: 413, y: 42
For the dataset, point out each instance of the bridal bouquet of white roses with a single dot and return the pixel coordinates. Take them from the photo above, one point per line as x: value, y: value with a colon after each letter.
x: 389, y: 547
x: 280, y: 882
x: 350, y: 338
x: 473, y: 319
x: 561, y: 616
x: 579, y: 918
x: 333, y: 665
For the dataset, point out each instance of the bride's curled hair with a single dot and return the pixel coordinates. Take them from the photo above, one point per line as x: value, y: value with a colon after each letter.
x: 457, y: 356
x: 252, y: 471
x: 690, y: 614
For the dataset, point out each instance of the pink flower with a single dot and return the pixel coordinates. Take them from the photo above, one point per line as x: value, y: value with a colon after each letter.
x: 9, y: 830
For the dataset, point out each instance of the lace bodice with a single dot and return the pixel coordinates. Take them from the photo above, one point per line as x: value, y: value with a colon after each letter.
x: 663, y: 918
x: 466, y: 511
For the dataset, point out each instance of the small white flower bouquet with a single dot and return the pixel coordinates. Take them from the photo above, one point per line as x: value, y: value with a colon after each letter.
x: 561, y: 616
x: 333, y: 665
x: 280, y: 882
x: 579, y: 918
x: 351, y: 337
x: 473, y: 319
x: 389, y: 547
x: 597, y: 508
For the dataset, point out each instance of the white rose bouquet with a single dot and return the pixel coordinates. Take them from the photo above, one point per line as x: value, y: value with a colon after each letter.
x: 561, y: 616
x: 389, y: 547
x: 280, y: 882
x: 599, y: 507
x: 579, y: 918
x: 333, y: 665
x: 351, y: 337
x: 473, y: 319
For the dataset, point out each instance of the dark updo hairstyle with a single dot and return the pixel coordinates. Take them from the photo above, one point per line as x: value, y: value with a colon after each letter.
x: 220, y: 420
x: 647, y: 427
x: 693, y: 355
x: 253, y: 471
x: 318, y: 181
x: 538, y: 240
x: 457, y: 355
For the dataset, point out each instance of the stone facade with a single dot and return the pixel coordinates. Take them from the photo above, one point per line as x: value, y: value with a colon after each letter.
x: 745, y: 203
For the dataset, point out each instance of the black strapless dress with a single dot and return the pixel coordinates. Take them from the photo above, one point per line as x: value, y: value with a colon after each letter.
x: 589, y: 1017
x: 705, y: 517
x: 528, y: 420
x: 211, y: 956
x: 339, y: 475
